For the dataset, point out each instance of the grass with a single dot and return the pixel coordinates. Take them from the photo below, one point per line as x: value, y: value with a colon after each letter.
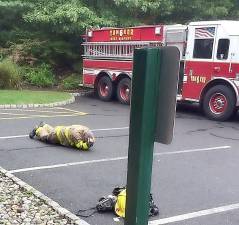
x: 31, y: 97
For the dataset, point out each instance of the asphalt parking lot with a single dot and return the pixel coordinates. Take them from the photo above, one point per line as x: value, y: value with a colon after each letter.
x: 194, y: 179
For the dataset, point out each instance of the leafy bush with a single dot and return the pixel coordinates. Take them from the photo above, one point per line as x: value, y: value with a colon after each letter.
x: 58, y: 53
x: 9, y: 74
x: 71, y: 82
x: 41, y: 76
x: 77, y: 66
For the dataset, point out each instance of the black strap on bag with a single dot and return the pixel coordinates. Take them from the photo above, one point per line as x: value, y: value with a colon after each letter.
x: 107, y: 204
x: 153, y: 209
x: 82, y: 212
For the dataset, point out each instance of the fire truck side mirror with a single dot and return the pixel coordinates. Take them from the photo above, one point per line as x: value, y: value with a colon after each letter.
x: 167, y: 95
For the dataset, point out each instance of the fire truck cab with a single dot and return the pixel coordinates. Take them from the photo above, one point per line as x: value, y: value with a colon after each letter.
x: 209, y: 64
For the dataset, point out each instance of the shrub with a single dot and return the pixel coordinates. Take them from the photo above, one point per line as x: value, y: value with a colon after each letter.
x: 9, y: 74
x: 71, y: 82
x: 41, y: 76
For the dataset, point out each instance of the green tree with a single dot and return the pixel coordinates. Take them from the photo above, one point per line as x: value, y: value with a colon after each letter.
x: 64, y: 16
x: 50, y: 30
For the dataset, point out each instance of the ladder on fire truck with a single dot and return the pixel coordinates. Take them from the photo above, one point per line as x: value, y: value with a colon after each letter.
x: 113, y: 50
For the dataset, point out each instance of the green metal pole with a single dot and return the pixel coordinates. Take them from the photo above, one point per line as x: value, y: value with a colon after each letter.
x: 145, y: 82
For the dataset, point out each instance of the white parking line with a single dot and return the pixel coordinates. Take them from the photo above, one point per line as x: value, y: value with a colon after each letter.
x: 12, y: 137
x: 67, y: 164
x: 194, y: 150
x: 114, y: 128
x: 101, y: 129
x: 114, y: 159
x: 192, y: 215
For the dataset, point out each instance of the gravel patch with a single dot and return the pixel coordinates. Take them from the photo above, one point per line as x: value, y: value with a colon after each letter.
x: 19, y: 205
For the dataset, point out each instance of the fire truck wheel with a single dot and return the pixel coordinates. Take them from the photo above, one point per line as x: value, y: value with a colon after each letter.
x: 219, y: 103
x: 105, y: 88
x: 124, y: 90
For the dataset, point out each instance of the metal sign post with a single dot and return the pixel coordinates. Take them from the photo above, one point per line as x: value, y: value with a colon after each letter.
x: 147, y: 69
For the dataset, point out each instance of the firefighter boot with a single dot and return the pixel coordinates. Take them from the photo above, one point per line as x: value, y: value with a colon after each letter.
x: 32, y: 134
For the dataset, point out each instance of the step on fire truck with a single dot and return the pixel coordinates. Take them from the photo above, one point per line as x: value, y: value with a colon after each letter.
x: 209, y: 63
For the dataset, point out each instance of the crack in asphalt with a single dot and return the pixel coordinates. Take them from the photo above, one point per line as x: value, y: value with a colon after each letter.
x: 27, y: 148
x: 226, y: 138
x: 230, y: 126
x: 219, y: 125
x: 198, y: 130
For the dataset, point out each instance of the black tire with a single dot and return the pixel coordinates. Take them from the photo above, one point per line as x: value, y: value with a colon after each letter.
x: 104, y: 88
x: 219, y: 103
x: 124, y: 91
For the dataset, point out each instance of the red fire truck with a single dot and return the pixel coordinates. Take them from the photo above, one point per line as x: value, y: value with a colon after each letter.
x: 209, y: 64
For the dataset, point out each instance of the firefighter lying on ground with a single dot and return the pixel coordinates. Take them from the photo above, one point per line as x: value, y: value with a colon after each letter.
x: 76, y: 136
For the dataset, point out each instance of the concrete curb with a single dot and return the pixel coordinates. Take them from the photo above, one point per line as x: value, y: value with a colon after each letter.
x: 61, y: 103
x: 60, y: 210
